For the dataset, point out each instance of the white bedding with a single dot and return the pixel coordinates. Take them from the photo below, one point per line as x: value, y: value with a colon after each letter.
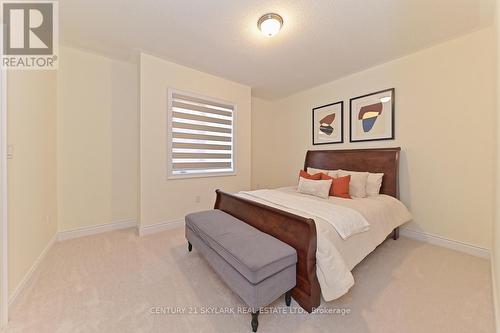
x: 345, y: 220
x: 336, y: 257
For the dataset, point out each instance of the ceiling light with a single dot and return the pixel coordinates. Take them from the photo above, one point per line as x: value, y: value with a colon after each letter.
x: 385, y: 99
x: 270, y: 24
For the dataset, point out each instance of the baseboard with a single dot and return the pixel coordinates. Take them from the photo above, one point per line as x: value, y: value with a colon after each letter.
x: 159, y: 227
x: 445, y: 242
x: 87, y: 231
x: 28, y: 277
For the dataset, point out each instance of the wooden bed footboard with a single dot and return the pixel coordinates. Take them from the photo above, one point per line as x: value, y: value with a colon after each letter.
x: 298, y: 232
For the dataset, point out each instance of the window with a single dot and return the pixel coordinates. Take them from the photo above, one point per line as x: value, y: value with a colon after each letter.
x: 201, y: 136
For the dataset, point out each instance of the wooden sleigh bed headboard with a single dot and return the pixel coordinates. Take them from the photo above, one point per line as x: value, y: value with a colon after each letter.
x: 300, y: 232
x: 379, y: 160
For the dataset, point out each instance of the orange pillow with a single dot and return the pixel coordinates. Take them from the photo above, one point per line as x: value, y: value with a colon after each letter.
x: 340, y: 186
x: 305, y: 175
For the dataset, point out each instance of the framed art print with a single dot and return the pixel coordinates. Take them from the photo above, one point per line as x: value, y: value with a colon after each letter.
x: 327, y: 124
x: 372, y: 116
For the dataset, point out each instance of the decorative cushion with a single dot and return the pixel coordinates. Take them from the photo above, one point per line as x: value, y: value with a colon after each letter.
x: 318, y: 188
x: 306, y: 175
x: 340, y: 186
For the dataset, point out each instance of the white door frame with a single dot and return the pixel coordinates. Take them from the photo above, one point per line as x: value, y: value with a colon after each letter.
x: 4, y: 290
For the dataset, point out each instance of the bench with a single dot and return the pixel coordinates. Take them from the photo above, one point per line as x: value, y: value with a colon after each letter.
x: 256, y: 266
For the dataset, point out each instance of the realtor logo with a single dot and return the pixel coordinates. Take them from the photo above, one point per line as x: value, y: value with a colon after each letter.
x: 29, y: 39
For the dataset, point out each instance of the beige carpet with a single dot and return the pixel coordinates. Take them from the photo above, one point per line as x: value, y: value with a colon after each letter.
x: 110, y: 282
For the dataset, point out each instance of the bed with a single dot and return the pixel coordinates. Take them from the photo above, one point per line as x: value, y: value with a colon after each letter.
x: 318, y: 248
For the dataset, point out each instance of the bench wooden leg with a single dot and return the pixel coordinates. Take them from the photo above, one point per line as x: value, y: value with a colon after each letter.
x: 255, y: 321
x: 288, y: 298
x: 395, y: 234
x: 190, y: 247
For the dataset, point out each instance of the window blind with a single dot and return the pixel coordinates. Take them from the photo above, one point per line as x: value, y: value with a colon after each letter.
x: 201, y: 136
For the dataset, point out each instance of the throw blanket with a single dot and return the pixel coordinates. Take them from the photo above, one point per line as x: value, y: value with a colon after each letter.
x: 346, y: 221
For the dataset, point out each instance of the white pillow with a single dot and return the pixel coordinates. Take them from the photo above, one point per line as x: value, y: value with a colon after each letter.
x: 357, y: 186
x: 318, y: 188
x: 373, y: 183
x: 331, y: 173
x: 313, y: 171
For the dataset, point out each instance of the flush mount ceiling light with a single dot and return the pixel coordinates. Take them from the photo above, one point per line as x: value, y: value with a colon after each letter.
x: 270, y: 24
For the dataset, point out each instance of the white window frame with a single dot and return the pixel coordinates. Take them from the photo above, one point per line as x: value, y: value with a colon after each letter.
x: 170, y: 174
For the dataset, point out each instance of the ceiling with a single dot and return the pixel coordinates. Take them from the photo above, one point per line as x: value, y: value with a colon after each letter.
x: 321, y: 40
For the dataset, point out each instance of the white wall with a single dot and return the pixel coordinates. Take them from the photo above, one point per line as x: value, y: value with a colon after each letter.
x: 263, y: 129
x: 32, y: 209
x: 163, y: 200
x: 445, y: 124
x: 98, y: 126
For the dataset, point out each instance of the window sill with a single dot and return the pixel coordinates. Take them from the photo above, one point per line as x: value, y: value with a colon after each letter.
x: 214, y: 175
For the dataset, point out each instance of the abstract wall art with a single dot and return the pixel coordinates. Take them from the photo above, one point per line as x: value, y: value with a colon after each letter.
x: 327, y: 126
x: 372, y: 116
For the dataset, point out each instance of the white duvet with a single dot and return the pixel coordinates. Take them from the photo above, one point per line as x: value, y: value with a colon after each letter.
x: 346, y: 221
x: 347, y: 230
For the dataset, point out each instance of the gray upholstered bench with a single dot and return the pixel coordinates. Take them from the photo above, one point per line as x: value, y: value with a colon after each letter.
x: 256, y: 266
